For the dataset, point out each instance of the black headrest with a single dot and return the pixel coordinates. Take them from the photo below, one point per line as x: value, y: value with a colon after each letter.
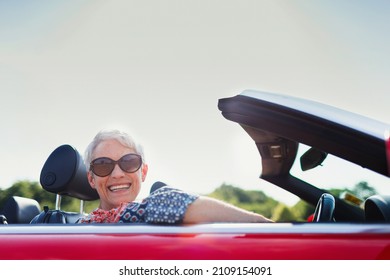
x: 64, y: 173
x: 377, y: 208
x: 157, y: 185
x: 20, y: 210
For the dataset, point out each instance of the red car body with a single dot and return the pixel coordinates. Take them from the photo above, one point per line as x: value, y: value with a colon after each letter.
x: 223, y: 242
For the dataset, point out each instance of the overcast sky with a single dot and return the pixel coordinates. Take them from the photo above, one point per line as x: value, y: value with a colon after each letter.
x: 157, y: 69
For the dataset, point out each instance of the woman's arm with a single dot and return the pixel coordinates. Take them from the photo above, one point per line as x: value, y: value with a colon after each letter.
x: 210, y: 210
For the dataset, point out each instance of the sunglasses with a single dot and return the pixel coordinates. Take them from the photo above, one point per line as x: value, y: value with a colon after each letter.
x: 103, y: 166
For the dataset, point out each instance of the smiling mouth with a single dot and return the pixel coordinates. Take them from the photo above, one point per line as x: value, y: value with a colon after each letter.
x: 119, y: 187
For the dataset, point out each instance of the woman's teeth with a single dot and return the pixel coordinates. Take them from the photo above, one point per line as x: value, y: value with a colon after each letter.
x: 119, y: 187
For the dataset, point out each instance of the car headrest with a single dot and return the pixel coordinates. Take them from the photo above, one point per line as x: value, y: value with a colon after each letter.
x: 64, y: 173
x: 20, y: 210
x: 377, y: 208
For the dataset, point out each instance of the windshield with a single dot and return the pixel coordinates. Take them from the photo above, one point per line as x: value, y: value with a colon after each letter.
x: 342, y: 178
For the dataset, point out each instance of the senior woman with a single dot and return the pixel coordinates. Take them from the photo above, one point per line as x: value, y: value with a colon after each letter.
x: 117, y: 169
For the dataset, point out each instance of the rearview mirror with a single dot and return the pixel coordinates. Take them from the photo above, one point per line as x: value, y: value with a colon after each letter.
x: 312, y: 158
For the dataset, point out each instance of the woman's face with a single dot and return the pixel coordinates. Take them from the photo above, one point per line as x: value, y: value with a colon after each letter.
x: 119, y: 186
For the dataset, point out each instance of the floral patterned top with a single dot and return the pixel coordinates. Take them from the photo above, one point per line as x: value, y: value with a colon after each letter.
x: 163, y: 206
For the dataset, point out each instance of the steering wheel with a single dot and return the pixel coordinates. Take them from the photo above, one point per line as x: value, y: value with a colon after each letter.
x: 325, y: 208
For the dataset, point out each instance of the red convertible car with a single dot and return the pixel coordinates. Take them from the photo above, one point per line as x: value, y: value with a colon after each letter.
x: 303, y: 146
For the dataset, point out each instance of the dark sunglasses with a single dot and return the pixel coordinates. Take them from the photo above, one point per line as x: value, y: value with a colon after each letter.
x: 103, y: 166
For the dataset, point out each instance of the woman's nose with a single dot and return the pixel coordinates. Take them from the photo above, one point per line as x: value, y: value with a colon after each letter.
x: 117, y: 172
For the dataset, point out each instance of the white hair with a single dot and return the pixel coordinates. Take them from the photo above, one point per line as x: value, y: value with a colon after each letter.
x: 122, y: 137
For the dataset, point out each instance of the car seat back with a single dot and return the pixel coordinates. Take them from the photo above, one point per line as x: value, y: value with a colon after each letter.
x: 56, y: 217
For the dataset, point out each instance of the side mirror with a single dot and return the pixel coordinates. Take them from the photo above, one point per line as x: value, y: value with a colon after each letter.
x: 312, y: 158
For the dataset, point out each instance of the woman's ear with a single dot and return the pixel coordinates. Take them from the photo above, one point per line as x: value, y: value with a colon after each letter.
x: 144, y: 171
x: 91, y: 179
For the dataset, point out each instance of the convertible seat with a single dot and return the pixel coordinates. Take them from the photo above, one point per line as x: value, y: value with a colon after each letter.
x: 64, y: 173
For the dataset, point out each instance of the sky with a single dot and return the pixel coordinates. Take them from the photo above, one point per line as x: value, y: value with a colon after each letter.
x: 156, y: 69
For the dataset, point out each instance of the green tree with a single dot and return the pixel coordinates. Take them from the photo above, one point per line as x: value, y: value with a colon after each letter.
x: 251, y: 200
x: 35, y: 191
x: 302, y: 210
x: 363, y: 190
x: 283, y: 213
x: 27, y: 189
